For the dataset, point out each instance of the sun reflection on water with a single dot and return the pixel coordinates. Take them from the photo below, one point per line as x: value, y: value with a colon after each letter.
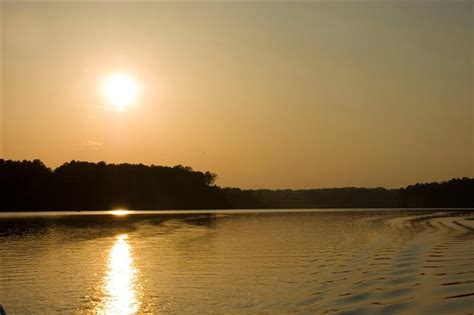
x: 120, y: 296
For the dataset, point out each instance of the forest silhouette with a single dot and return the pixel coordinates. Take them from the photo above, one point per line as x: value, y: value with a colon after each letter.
x: 32, y: 186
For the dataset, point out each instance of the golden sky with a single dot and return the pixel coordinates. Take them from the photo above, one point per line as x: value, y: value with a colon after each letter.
x: 276, y: 95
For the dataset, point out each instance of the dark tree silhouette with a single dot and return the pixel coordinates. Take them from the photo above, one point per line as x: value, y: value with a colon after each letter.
x: 30, y: 185
x: 456, y: 193
x: 93, y: 186
x: 314, y: 198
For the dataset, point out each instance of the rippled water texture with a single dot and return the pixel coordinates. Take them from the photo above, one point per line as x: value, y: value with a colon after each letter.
x: 354, y: 262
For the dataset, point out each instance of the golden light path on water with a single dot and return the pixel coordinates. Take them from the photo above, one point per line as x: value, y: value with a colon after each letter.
x: 268, y: 261
x: 120, y: 296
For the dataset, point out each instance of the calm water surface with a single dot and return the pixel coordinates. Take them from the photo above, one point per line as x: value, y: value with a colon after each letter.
x: 323, y: 262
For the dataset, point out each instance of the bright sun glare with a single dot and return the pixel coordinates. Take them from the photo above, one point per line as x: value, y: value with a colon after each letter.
x: 120, y: 212
x: 120, y: 90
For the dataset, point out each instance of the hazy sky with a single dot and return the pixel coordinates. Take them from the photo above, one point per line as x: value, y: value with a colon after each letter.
x: 277, y: 95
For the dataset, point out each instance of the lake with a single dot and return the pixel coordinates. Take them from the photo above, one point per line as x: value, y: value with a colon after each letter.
x: 309, y: 261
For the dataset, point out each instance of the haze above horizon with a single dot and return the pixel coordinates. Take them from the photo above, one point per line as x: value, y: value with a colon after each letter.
x: 266, y: 95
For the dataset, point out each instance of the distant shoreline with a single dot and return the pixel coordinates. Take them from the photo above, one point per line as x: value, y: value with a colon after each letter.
x: 86, y: 186
x: 230, y: 210
x: 178, y: 213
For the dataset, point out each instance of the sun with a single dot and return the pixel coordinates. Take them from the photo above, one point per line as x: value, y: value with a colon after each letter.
x: 120, y: 90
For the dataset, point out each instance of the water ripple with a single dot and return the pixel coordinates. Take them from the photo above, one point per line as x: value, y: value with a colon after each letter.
x: 353, y: 262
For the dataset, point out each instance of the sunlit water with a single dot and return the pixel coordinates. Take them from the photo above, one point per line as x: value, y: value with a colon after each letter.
x: 119, y: 295
x: 322, y: 262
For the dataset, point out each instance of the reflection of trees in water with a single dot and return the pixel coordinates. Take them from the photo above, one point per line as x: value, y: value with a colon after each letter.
x: 86, y: 226
x: 70, y: 228
x: 205, y: 220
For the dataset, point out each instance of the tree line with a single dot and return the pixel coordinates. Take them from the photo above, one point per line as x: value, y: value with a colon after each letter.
x: 455, y: 193
x: 32, y: 186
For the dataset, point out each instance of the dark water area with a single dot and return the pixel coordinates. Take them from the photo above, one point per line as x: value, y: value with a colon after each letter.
x: 314, y: 261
